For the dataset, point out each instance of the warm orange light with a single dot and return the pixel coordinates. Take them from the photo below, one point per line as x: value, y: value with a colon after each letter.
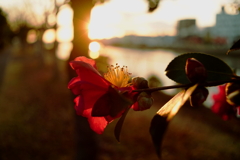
x: 32, y: 36
x: 102, y: 23
x: 65, y: 16
x: 65, y: 24
x: 94, y: 49
x: 94, y: 46
x: 93, y: 55
x: 65, y: 34
x: 49, y: 36
x: 64, y: 50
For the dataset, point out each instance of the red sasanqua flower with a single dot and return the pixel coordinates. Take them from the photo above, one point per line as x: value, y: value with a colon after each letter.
x: 221, y: 106
x: 101, y: 99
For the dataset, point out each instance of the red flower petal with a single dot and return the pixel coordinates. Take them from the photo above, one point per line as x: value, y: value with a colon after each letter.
x: 86, y: 60
x: 78, y: 87
x: 88, y: 95
x: 97, y: 100
x: 88, y: 73
x: 220, y: 106
x: 97, y: 124
x: 79, y: 105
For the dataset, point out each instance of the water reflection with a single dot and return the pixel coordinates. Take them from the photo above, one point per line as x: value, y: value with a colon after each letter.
x: 143, y: 63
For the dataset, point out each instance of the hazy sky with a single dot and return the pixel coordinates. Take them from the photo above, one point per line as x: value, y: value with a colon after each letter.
x: 119, y: 17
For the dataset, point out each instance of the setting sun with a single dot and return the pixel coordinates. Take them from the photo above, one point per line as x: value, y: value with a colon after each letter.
x: 103, y: 23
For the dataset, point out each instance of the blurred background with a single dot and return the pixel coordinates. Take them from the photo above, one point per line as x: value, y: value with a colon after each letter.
x: 39, y: 37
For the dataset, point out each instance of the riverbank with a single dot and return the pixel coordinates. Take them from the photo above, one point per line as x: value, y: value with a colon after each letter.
x: 217, y: 50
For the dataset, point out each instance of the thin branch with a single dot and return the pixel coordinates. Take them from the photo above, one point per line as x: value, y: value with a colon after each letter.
x: 207, y: 84
x: 164, y: 88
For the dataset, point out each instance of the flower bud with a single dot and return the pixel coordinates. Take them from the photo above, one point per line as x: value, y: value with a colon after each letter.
x: 198, y: 96
x: 233, y: 93
x: 195, y: 70
x: 145, y: 101
x: 139, y: 83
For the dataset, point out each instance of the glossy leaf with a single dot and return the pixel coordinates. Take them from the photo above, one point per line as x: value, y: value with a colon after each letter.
x: 217, y: 70
x: 165, y: 114
x: 173, y: 105
x: 236, y: 46
x: 118, y: 127
x: 157, y: 130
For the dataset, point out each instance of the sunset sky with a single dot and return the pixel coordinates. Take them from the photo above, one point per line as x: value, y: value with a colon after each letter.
x: 116, y: 18
x: 120, y: 17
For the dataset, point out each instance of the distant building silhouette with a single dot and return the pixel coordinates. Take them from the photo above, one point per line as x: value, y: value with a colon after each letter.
x: 187, y: 27
x: 227, y: 26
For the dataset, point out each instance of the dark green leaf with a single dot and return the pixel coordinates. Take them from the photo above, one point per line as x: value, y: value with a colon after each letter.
x: 157, y: 130
x: 236, y: 46
x: 217, y: 70
x: 165, y: 114
x: 119, y: 124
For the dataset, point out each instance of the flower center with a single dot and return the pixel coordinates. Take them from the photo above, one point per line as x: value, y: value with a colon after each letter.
x: 118, y: 76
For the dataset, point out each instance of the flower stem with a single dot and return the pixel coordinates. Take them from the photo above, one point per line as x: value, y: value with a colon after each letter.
x: 207, y: 84
x: 217, y: 83
x: 163, y: 88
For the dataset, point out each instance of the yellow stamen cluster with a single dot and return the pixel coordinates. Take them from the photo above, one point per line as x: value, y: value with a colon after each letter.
x: 118, y: 76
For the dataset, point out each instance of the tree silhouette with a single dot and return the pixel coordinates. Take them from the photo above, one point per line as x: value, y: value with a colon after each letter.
x: 5, y: 31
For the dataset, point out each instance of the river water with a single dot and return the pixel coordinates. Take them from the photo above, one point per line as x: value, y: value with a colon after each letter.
x: 141, y: 62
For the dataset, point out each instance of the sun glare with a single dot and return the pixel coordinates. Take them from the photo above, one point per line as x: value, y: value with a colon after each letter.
x: 104, y: 23
x: 117, y: 18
